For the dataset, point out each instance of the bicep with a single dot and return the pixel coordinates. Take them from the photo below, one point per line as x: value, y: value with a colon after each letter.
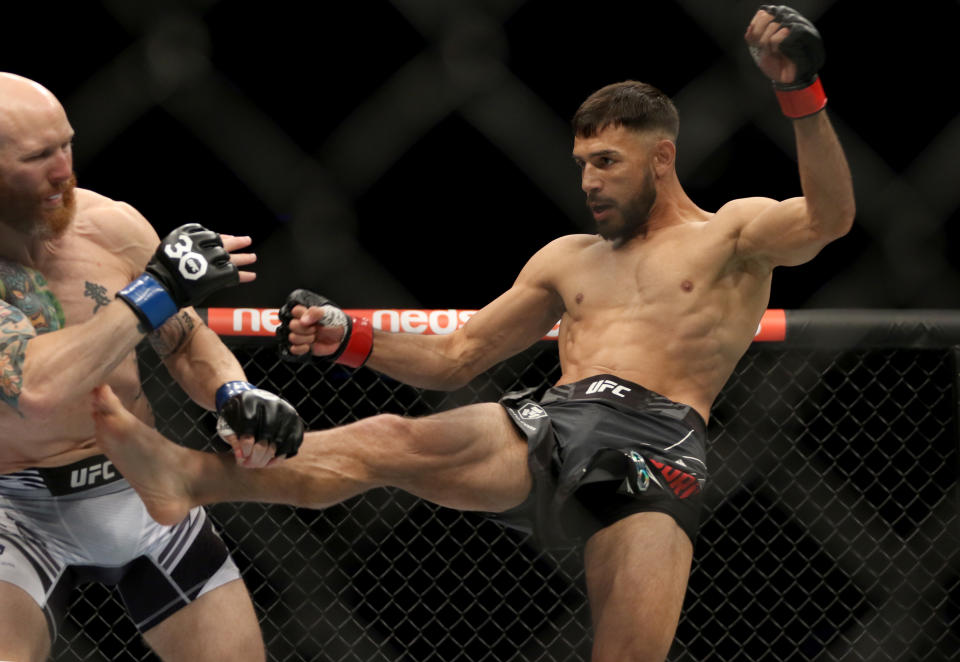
x: 780, y: 233
x: 513, y: 321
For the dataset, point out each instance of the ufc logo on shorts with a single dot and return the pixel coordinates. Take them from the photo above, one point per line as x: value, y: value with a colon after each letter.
x: 90, y: 475
x: 531, y: 410
x: 602, y: 385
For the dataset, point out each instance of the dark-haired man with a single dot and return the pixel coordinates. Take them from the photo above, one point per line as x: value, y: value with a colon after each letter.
x: 655, y: 312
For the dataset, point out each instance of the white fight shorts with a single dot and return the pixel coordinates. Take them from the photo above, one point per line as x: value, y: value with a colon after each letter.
x: 84, y: 523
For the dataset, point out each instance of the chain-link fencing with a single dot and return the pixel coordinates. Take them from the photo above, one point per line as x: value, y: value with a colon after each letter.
x: 830, y: 531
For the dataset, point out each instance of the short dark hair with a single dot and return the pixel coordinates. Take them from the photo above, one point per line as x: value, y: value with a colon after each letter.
x: 635, y: 105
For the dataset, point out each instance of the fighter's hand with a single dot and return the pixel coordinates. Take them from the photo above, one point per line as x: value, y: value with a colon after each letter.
x: 260, y: 427
x: 314, y: 331
x: 764, y: 36
x: 788, y: 50
x: 785, y: 45
x: 313, y: 327
x: 189, y: 264
x: 232, y: 243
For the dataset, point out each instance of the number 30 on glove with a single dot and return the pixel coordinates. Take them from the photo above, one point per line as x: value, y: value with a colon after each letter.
x: 356, y: 343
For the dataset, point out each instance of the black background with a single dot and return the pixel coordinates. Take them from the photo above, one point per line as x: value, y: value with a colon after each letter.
x: 453, y: 218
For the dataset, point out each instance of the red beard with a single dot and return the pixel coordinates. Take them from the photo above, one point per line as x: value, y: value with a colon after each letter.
x: 27, y: 214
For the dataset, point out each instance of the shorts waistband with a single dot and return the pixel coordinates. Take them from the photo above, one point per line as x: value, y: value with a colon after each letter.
x: 87, y: 474
x: 624, y: 393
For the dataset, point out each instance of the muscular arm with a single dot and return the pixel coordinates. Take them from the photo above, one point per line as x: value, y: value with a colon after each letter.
x: 788, y: 50
x: 59, y: 369
x: 195, y: 356
x: 512, y: 322
x: 795, y: 230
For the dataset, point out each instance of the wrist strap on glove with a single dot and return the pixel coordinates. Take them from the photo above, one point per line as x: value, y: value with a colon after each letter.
x: 357, y: 343
x: 230, y: 389
x: 150, y: 301
x: 801, y: 101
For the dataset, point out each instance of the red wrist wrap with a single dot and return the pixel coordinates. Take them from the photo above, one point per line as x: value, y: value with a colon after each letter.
x: 360, y: 344
x: 803, y: 102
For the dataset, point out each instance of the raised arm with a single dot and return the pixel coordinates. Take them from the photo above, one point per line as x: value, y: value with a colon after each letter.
x: 788, y: 50
x: 513, y: 321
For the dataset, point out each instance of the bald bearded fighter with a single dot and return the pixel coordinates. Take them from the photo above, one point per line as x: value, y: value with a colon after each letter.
x: 66, y: 513
x: 655, y: 312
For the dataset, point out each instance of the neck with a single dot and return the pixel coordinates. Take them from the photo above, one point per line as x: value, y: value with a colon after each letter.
x: 673, y: 205
x: 19, y: 247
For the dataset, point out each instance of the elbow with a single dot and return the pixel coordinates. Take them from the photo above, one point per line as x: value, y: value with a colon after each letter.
x: 836, y: 224
x: 40, y: 404
x: 845, y: 217
x: 463, y: 363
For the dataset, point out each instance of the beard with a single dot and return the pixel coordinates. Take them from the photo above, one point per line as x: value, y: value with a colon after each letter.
x: 26, y: 213
x: 634, y: 214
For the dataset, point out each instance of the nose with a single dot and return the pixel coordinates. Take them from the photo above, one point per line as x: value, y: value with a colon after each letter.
x: 61, y: 168
x: 589, y: 180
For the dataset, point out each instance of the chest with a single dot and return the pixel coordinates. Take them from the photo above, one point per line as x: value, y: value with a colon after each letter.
x: 679, y: 270
x: 68, y: 285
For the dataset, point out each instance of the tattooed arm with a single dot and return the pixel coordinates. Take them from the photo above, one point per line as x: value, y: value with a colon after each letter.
x: 195, y: 356
x: 47, y: 377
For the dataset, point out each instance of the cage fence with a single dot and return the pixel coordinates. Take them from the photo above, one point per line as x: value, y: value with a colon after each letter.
x: 830, y: 531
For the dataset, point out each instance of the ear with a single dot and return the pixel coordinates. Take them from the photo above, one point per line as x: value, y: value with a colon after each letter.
x: 664, y: 156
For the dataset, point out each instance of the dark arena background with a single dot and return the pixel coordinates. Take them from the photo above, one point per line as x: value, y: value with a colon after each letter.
x: 412, y: 154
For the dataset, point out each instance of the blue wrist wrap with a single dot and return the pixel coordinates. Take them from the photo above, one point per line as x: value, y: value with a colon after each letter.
x: 230, y: 389
x: 149, y: 300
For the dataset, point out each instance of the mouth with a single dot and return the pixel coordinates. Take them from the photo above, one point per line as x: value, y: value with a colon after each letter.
x: 53, y: 200
x: 601, y: 211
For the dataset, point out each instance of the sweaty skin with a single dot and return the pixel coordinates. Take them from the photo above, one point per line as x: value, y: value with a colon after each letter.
x: 64, y: 252
x: 672, y: 308
x: 668, y: 296
x: 82, y: 270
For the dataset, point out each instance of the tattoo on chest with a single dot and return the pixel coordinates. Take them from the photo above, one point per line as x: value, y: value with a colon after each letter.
x: 27, y: 289
x: 96, y: 292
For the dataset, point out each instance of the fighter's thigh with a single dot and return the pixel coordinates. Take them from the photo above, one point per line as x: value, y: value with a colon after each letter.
x: 219, y: 625
x: 471, y: 457
x: 23, y: 627
x: 637, y: 572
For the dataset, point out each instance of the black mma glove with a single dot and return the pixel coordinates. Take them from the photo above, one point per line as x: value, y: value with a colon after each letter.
x: 189, y: 264
x: 804, y: 47
x: 245, y: 410
x: 355, y: 346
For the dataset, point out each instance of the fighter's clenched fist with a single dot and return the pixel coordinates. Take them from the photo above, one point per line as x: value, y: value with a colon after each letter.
x: 313, y: 327
x: 789, y: 51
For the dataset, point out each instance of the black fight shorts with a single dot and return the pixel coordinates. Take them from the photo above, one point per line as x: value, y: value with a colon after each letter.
x: 602, y: 449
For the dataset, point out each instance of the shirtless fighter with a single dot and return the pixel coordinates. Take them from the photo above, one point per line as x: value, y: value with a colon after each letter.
x: 655, y: 312
x: 66, y: 513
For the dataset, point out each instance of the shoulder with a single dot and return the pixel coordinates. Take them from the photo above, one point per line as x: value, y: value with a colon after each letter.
x: 737, y: 213
x: 570, y: 244
x: 115, y: 225
x: 557, y: 254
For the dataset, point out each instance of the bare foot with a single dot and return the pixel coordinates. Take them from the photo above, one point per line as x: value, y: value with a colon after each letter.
x: 152, y: 464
